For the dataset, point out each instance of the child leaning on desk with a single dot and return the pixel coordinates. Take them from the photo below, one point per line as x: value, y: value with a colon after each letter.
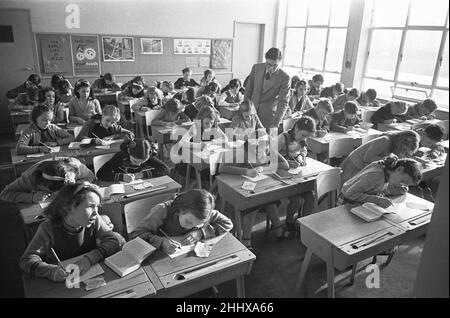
x: 389, y: 113
x: 152, y: 100
x: 72, y: 227
x: 41, y: 134
x: 344, y: 120
x: 423, y: 110
x: 319, y: 114
x: 136, y: 160
x: 172, y: 114
x: 191, y: 215
x: 246, y: 119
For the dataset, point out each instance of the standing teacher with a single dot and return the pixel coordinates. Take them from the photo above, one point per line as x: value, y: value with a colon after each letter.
x: 268, y: 88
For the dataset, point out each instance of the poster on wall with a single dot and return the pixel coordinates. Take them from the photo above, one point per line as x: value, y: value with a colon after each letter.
x: 151, y: 46
x: 118, y: 49
x: 221, y: 54
x: 85, y: 53
x: 192, y: 46
x: 55, y: 54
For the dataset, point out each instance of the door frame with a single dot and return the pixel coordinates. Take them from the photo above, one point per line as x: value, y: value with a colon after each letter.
x: 262, y: 30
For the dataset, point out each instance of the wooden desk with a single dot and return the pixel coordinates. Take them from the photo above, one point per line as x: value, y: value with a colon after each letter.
x: 445, y: 145
x: 319, y: 145
x: 134, y: 285
x: 20, y: 117
x: 164, y: 272
x: 106, y: 98
x: 407, y: 125
x: 228, y: 112
x: 330, y: 235
x: 267, y: 190
x: 69, y: 127
x: 431, y: 168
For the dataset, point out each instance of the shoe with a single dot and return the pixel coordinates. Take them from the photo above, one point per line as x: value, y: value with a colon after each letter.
x: 281, y: 236
x: 291, y: 228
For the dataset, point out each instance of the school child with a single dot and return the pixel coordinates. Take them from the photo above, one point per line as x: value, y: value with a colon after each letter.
x: 294, y: 80
x: 332, y: 91
x: 64, y: 92
x: 29, y: 99
x: 152, y: 100
x: 315, y: 86
x: 136, y: 160
x: 172, y: 114
x: 41, y: 133
x: 208, y: 77
x: 72, y: 228
x: 83, y: 106
x: 431, y: 137
x: 44, y: 178
x: 319, y: 114
x: 423, y: 110
x: 211, y: 90
x: 292, y: 145
x: 246, y: 122
x: 106, y: 81
x: 388, y: 113
x: 104, y: 126
x: 387, y: 177
x: 49, y: 99
x: 168, y: 89
x: 33, y: 80
x: 344, y: 120
x: 231, y: 97
x: 186, y: 80
x: 191, y: 215
x: 55, y: 79
x: 340, y: 101
x: 369, y: 98
x: 254, y: 161
x: 400, y: 143
x: 227, y: 87
x: 133, y: 90
x: 299, y: 101
x: 192, y: 109
x: 137, y: 79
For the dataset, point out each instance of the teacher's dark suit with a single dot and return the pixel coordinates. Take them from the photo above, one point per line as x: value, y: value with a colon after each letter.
x: 270, y: 96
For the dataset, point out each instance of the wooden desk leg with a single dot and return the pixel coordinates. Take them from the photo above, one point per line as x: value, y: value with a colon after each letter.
x: 199, y: 178
x: 304, y: 268
x: 240, y: 287
x: 330, y: 277
x: 238, y: 223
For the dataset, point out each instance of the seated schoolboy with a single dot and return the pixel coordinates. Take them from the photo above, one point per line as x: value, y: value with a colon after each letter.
x: 27, y: 100
x: 49, y: 99
x: 41, y: 134
x: 33, y: 80
x: 431, y: 137
x: 152, y: 100
x: 340, y: 101
x: 368, y: 98
x: 299, y: 101
x: 72, y: 228
x: 104, y: 126
x: 83, y: 106
x: 389, y: 113
x: 423, y: 110
x: 344, y: 120
x: 208, y: 77
x: 231, y: 97
x: 172, y: 114
x: 136, y: 160
x: 44, y: 178
x: 319, y: 114
x: 315, y: 86
x: 192, y: 109
x: 186, y: 80
x: 191, y: 215
x: 332, y: 91
x: 106, y: 81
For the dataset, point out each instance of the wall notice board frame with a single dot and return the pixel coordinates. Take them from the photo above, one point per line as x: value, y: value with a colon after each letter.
x: 167, y: 63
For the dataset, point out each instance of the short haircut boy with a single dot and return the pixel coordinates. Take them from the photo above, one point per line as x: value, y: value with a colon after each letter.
x: 186, y: 70
x: 371, y: 93
x: 111, y: 110
x: 325, y: 104
x: 435, y: 132
x: 351, y: 108
x: 354, y: 92
x: 318, y: 78
x: 173, y: 106
x: 429, y: 105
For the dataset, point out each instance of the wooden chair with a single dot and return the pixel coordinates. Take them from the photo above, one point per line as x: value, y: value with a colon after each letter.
x: 99, y: 161
x: 326, y: 182
x: 340, y: 148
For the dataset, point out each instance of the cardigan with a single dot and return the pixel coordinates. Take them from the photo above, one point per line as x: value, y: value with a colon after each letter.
x: 31, y: 137
x: 93, y: 125
x: 78, y: 110
x: 339, y: 123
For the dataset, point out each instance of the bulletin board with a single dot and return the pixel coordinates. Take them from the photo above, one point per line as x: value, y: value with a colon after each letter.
x: 165, y: 61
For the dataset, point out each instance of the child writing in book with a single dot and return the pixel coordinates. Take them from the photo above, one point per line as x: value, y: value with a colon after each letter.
x: 104, y: 126
x: 299, y: 101
x: 368, y: 98
x: 72, y: 228
x: 246, y: 122
x: 41, y: 134
x: 332, y: 92
x: 152, y: 100
x: 192, y: 109
x: 319, y: 114
x: 191, y: 215
x: 172, y: 114
x: 64, y: 92
x: 33, y: 80
x: 340, y: 101
x: 431, y: 137
x: 106, y: 81
x: 423, y: 110
x: 44, y: 178
x: 83, y: 106
x: 293, y: 147
x: 134, y: 90
x: 49, y: 99
x: 344, y: 120
x: 28, y: 99
x: 315, y: 86
x: 387, y: 177
x: 128, y: 86
x: 389, y: 113
x: 400, y: 143
x: 136, y: 160
x: 231, y: 97
x: 186, y: 80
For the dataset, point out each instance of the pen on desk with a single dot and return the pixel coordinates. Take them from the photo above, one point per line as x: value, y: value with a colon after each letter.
x: 44, y: 145
x: 178, y: 244
x: 96, y: 136
x: 57, y: 259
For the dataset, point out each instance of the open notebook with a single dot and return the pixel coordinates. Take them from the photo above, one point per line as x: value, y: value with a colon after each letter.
x: 95, y: 270
x: 370, y: 212
x: 131, y: 256
x: 202, y: 248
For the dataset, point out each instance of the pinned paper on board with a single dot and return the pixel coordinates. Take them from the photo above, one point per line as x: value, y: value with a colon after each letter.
x: 191, y: 62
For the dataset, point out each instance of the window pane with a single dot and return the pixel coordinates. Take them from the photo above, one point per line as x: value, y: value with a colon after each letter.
x: 294, y: 46
x: 297, y: 11
x: 336, y: 46
x: 319, y: 11
x: 390, y: 13
x: 292, y: 70
x: 428, y: 12
x: 419, y: 56
x: 315, y: 48
x: 383, y: 53
x: 331, y: 79
x: 411, y: 92
x: 383, y: 88
x: 441, y: 98
x: 340, y: 12
x: 443, y: 73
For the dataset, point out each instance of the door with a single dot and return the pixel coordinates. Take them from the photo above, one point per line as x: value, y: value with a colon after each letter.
x: 16, y: 56
x: 247, y: 48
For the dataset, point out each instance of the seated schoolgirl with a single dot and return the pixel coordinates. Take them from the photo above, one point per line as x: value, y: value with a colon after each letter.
x: 72, y: 228
x: 192, y: 109
x: 246, y: 122
x: 191, y: 215
x: 152, y: 100
x: 41, y: 133
x: 44, y: 178
x: 64, y: 92
x: 136, y: 160
x: 172, y: 114
x: 83, y: 106
x: 49, y: 99
x: 299, y: 101
x: 231, y: 97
